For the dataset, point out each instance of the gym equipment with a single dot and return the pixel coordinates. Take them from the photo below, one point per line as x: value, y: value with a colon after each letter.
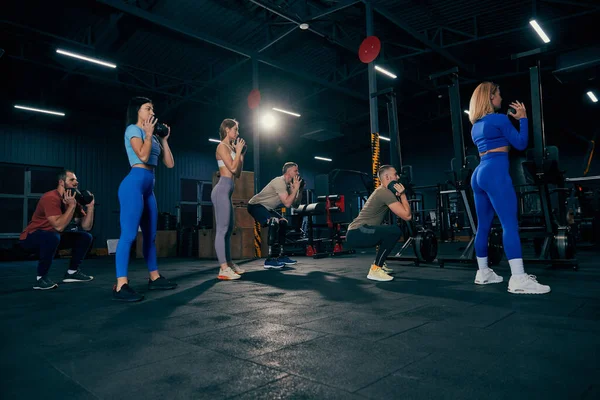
x: 325, y: 205
x: 160, y: 129
x: 424, y: 244
x: 82, y: 197
x: 423, y: 240
x: 369, y: 49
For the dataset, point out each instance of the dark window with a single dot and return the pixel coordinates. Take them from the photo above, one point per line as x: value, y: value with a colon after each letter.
x: 12, y: 179
x: 12, y: 215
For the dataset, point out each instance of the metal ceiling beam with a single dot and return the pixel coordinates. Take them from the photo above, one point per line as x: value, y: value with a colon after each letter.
x: 334, y: 9
x: 116, y: 80
x: 578, y: 3
x: 352, y: 49
x: 400, y: 23
x: 293, y: 20
x: 170, y: 25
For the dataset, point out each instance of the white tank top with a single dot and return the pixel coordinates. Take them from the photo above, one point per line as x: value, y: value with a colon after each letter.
x: 221, y: 163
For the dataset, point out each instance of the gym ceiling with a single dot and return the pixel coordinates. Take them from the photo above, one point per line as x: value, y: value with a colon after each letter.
x: 197, y: 55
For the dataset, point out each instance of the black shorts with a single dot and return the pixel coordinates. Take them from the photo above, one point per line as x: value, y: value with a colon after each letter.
x: 262, y: 214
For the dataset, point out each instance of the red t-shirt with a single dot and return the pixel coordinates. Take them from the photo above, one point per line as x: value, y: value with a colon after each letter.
x: 50, y: 205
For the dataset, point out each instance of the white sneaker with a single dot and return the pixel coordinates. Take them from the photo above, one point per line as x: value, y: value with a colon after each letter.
x: 227, y: 274
x: 378, y: 274
x: 487, y: 276
x: 237, y: 269
x: 526, y: 284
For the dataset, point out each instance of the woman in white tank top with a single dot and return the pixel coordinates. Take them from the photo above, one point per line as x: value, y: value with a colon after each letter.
x: 230, y: 159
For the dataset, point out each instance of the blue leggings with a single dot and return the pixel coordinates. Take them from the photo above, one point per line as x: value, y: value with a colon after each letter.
x: 493, y: 190
x: 138, y: 208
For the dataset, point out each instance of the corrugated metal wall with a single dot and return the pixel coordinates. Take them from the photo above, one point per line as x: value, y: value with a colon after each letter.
x: 100, y: 164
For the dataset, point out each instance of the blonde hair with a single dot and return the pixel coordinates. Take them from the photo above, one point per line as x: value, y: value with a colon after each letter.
x: 481, y: 102
x: 227, y: 123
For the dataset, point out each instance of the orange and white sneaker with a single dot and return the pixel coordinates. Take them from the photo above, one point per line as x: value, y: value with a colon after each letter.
x: 385, y: 268
x: 237, y: 269
x: 227, y: 274
x: 378, y: 274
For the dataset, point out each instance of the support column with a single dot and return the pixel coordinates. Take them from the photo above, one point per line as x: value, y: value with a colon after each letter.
x: 256, y: 130
x: 457, y: 126
x: 375, y: 162
x: 256, y: 139
x: 537, y: 116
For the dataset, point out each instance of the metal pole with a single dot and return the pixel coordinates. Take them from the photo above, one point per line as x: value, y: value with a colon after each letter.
x: 395, y: 147
x: 537, y: 116
x: 256, y: 125
x: 373, y: 103
x: 457, y: 126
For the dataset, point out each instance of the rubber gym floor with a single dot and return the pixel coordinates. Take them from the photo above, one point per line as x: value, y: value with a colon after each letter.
x: 318, y: 330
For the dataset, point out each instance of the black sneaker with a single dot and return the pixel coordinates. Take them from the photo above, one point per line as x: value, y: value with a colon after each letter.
x: 126, y: 294
x: 161, y: 283
x: 76, y: 277
x: 44, y: 283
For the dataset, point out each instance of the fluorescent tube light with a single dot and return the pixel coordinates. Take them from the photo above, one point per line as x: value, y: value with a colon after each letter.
x: 88, y: 59
x: 286, y: 112
x: 40, y: 110
x: 386, y: 72
x: 539, y: 31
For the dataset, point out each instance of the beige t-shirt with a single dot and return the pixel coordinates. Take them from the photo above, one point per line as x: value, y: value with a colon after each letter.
x: 375, y: 208
x: 269, y: 196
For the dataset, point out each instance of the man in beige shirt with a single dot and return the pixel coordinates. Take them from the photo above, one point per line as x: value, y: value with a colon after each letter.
x: 284, y: 190
x: 367, y: 231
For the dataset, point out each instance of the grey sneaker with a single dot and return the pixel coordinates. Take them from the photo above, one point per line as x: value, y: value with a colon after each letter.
x: 44, y: 283
x: 76, y: 277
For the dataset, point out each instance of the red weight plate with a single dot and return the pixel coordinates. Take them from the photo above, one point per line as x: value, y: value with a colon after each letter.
x: 369, y: 49
x: 254, y: 99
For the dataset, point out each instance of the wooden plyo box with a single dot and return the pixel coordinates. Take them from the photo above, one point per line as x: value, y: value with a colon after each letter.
x: 242, y: 243
x: 243, y: 187
x: 166, y: 244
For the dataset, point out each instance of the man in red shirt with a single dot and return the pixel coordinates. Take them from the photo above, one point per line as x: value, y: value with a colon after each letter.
x: 58, y: 221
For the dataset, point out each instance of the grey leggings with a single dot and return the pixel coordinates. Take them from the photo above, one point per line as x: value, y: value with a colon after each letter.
x: 221, y: 199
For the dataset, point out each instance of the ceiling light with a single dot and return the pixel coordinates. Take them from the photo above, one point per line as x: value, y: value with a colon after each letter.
x: 89, y: 59
x: 286, y: 112
x: 214, y: 140
x: 323, y: 158
x: 40, y: 110
x: 384, y: 138
x: 539, y: 31
x: 386, y: 72
x: 592, y: 96
x: 268, y: 121
x: 304, y: 26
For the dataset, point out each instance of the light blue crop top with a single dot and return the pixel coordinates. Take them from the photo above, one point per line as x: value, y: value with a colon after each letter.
x: 135, y: 131
x: 221, y: 163
x: 495, y: 130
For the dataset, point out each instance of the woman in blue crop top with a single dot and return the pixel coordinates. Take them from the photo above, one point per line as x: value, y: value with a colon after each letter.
x: 230, y: 159
x: 493, y: 134
x: 136, y: 196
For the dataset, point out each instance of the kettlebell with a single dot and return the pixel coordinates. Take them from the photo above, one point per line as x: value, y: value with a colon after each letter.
x: 160, y: 130
x: 391, y: 186
x: 84, y: 198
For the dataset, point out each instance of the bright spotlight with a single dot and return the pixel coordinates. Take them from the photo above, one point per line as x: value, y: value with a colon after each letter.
x: 384, y: 138
x: 592, y: 96
x: 268, y: 121
x: 214, y: 140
